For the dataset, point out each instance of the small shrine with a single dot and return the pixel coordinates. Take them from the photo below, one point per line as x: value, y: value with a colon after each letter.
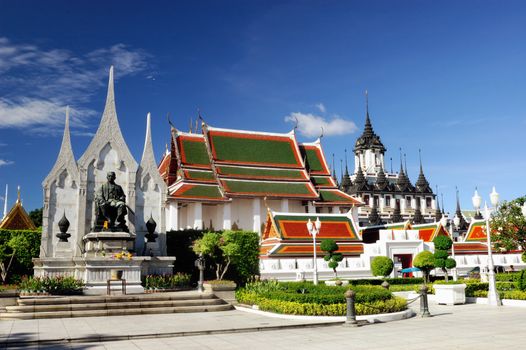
x: 17, y: 218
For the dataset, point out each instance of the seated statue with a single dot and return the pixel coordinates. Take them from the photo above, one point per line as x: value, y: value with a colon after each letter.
x: 110, y: 206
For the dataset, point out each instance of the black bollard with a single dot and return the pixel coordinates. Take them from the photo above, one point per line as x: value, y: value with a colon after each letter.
x: 424, y: 307
x: 200, y: 264
x: 351, y: 310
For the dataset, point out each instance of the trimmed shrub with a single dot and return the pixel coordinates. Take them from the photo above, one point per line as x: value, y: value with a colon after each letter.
x: 425, y: 262
x: 382, y: 266
x: 330, y: 247
x: 391, y: 281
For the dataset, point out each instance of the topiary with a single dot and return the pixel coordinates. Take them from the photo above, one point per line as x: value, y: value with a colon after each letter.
x: 382, y: 266
x: 441, y: 256
x: 330, y: 247
x: 425, y: 262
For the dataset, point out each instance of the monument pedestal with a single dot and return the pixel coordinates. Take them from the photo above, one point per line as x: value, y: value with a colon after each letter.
x: 63, y: 250
x: 108, y: 243
x: 96, y: 271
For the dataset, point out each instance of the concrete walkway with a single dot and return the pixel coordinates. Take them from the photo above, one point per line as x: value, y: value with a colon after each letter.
x: 468, y: 326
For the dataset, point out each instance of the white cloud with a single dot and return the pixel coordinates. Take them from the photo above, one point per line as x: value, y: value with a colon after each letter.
x: 5, y: 162
x: 36, y: 84
x: 321, y: 107
x: 310, y: 125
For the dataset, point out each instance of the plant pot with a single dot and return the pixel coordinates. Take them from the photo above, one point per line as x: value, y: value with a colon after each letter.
x: 117, y: 274
x: 450, y: 294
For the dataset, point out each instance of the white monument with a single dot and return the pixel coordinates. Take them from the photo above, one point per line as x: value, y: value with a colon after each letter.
x: 102, y: 225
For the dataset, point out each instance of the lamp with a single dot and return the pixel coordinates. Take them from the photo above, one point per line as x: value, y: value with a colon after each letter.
x: 493, y: 296
x: 477, y: 201
x: 313, y: 231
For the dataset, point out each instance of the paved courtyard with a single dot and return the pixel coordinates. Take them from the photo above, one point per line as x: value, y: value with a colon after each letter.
x: 451, y: 327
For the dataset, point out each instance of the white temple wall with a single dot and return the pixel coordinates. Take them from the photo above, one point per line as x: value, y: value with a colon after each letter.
x: 63, y: 194
x: 242, y: 213
x: 210, y: 218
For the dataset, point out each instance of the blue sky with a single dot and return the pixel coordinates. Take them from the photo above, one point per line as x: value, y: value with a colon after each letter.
x: 448, y: 77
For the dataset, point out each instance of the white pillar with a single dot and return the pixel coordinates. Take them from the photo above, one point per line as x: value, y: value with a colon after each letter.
x: 227, y: 216
x: 173, y: 216
x: 336, y: 210
x: 198, y: 216
x: 311, y: 208
x: 285, y: 205
x: 256, y: 215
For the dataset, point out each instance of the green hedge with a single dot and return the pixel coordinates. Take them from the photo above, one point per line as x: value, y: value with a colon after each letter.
x: 177, y: 280
x: 27, y: 245
x: 391, y: 281
x: 294, y: 308
x: 303, y: 298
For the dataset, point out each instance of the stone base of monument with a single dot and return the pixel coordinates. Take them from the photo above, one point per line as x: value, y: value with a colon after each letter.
x: 97, y: 243
x: 96, y: 271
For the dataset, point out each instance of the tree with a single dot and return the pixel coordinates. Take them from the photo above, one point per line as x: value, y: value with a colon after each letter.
x: 508, y: 226
x: 230, y: 248
x: 441, y: 256
x: 330, y: 247
x: 36, y: 216
x: 382, y: 266
x: 425, y: 262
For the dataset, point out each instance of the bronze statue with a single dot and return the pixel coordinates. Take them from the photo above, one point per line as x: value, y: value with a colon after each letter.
x: 110, y: 203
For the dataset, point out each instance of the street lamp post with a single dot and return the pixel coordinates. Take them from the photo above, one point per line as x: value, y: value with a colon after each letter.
x: 493, y: 296
x: 314, y: 229
x: 456, y: 222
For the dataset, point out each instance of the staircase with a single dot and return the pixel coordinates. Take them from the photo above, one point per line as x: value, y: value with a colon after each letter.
x: 86, y: 306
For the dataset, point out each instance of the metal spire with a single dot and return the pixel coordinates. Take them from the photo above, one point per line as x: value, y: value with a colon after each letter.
x: 5, y: 201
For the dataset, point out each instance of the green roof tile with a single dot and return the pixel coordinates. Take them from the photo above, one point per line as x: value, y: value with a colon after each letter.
x: 261, y: 173
x: 254, y: 151
x: 269, y: 188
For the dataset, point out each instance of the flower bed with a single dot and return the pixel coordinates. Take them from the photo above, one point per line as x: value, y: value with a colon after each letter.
x: 304, y: 298
x: 166, y: 283
x: 59, y: 285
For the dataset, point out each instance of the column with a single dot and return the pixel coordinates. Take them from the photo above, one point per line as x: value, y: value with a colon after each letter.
x: 198, y: 215
x: 256, y: 215
x: 173, y: 216
x: 285, y: 205
x: 311, y: 208
x: 336, y: 210
x: 227, y: 216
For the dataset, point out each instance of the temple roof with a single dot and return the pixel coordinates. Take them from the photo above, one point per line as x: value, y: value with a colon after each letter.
x: 249, y: 164
x: 476, y: 232
x: 293, y: 227
x: 17, y: 218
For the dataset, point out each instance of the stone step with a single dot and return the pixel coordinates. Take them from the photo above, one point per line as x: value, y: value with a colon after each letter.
x: 114, y: 298
x: 114, y: 312
x: 114, y: 305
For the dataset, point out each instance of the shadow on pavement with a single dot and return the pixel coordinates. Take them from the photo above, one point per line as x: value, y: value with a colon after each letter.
x: 27, y: 341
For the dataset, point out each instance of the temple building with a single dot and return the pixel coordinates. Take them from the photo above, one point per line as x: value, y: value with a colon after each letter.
x: 228, y: 179
x: 389, y: 196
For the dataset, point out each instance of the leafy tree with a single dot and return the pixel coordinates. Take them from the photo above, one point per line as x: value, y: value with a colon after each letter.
x: 425, y: 262
x: 330, y: 247
x: 441, y: 256
x: 508, y: 225
x: 382, y: 266
x: 36, y: 217
x: 230, y: 248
